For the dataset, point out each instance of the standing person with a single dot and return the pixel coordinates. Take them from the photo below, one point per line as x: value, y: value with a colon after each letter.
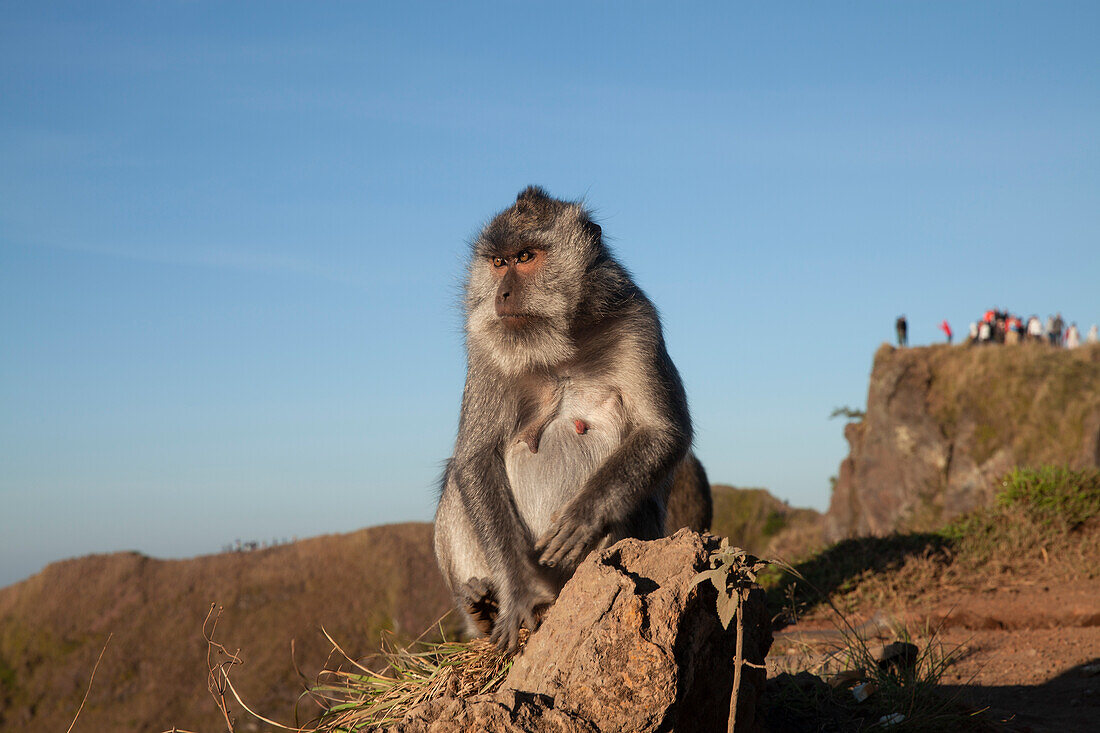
x: 1034, y: 329
x: 946, y: 328
x: 902, y: 328
x: 1056, y: 330
x: 1073, y: 337
x: 1050, y: 329
x: 973, y: 333
x: 1013, y: 327
x: 1094, y: 335
x: 985, y: 332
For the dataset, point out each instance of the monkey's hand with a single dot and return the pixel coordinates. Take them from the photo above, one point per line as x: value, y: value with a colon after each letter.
x: 520, y: 608
x: 569, y: 540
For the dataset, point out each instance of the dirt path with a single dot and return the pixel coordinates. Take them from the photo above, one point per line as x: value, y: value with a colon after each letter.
x: 1029, y: 653
x: 1033, y: 679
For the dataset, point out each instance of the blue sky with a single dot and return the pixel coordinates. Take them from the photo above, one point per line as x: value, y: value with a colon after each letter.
x: 232, y: 235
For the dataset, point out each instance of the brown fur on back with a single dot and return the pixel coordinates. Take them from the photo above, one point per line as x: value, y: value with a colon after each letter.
x: 689, y: 503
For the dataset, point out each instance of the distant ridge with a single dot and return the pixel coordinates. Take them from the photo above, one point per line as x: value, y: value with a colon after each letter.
x: 763, y: 524
x: 153, y: 675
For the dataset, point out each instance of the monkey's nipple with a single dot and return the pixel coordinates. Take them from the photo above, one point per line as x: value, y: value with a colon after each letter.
x: 581, y: 427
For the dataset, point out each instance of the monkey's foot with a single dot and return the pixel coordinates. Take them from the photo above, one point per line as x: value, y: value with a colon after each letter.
x: 523, y: 610
x: 479, y: 601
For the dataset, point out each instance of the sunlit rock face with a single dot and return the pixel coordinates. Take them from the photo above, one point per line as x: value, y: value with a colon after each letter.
x: 944, y: 423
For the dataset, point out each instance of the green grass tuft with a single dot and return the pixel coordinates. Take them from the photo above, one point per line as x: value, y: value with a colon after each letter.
x: 1053, y: 494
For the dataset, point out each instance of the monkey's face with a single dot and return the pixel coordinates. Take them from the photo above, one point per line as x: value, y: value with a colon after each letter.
x: 526, y: 282
x: 516, y: 275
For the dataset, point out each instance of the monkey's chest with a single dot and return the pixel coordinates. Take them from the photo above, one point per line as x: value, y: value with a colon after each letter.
x: 585, y: 430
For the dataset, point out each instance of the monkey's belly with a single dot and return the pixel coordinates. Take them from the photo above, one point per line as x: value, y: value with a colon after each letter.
x: 544, y: 482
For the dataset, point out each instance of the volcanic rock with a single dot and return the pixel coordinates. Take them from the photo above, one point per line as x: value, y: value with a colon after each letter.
x: 630, y: 645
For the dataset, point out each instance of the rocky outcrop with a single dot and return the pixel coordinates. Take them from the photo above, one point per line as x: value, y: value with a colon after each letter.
x: 943, y: 423
x: 630, y: 645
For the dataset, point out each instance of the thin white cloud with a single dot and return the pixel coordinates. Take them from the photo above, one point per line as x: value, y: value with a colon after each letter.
x: 216, y: 258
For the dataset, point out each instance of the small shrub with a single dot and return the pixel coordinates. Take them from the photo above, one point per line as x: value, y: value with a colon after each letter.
x: 1053, y: 494
x: 774, y: 524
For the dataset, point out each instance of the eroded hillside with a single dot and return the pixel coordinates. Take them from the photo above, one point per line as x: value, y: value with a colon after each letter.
x: 54, y: 624
x: 943, y: 423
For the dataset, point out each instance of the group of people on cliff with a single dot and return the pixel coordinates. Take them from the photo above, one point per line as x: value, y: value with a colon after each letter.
x: 1002, y: 327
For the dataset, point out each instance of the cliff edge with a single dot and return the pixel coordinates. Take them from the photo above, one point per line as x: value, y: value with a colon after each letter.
x: 943, y: 423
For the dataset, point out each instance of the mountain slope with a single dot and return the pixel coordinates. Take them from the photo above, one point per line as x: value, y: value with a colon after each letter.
x: 153, y: 675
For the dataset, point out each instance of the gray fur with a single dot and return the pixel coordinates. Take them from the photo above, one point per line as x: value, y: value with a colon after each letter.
x: 573, y: 421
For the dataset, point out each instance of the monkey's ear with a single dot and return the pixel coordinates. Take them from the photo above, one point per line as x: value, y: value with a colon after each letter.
x: 593, y: 230
x: 532, y: 193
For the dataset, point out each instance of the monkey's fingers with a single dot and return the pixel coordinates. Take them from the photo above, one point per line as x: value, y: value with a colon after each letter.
x: 569, y: 541
x: 505, y: 636
x: 549, y: 545
x: 578, y: 553
x: 543, y: 542
x: 506, y: 631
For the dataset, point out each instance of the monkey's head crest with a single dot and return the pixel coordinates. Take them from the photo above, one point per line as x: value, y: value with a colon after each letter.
x: 532, y: 193
x: 565, y: 249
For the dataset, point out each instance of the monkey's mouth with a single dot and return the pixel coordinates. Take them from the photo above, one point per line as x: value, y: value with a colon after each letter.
x: 516, y: 320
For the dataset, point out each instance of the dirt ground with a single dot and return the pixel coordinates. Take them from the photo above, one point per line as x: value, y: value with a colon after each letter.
x: 1026, y: 653
x: 1029, y: 653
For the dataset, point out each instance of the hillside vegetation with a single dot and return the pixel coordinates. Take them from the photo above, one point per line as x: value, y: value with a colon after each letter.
x: 762, y: 524
x: 153, y: 676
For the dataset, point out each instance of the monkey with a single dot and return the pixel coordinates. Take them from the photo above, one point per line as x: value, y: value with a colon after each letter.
x: 574, y: 420
x: 689, y: 503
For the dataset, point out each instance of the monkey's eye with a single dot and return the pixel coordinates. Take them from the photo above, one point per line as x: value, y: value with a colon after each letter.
x: 498, y: 262
x: 525, y: 256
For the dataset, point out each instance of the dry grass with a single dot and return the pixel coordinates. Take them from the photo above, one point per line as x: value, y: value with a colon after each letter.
x: 815, y: 690
x: 822, y: 697
x: 365, y: 694
x: 361, y: 698
x: 1033, y: 400
x: 1044, y: 522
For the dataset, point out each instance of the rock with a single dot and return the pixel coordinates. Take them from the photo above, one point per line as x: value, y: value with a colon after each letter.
x: 847, y: 678
x: 507, y: 711
x: 900, y: 655
x: 630, y: 645
x: 943, y: 423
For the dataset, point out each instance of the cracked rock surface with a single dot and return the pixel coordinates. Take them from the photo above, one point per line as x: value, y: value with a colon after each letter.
x: 630, y: 645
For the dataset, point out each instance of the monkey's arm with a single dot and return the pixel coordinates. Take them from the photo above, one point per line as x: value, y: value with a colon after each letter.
x: 659, y: 438
x: 483, y: 487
